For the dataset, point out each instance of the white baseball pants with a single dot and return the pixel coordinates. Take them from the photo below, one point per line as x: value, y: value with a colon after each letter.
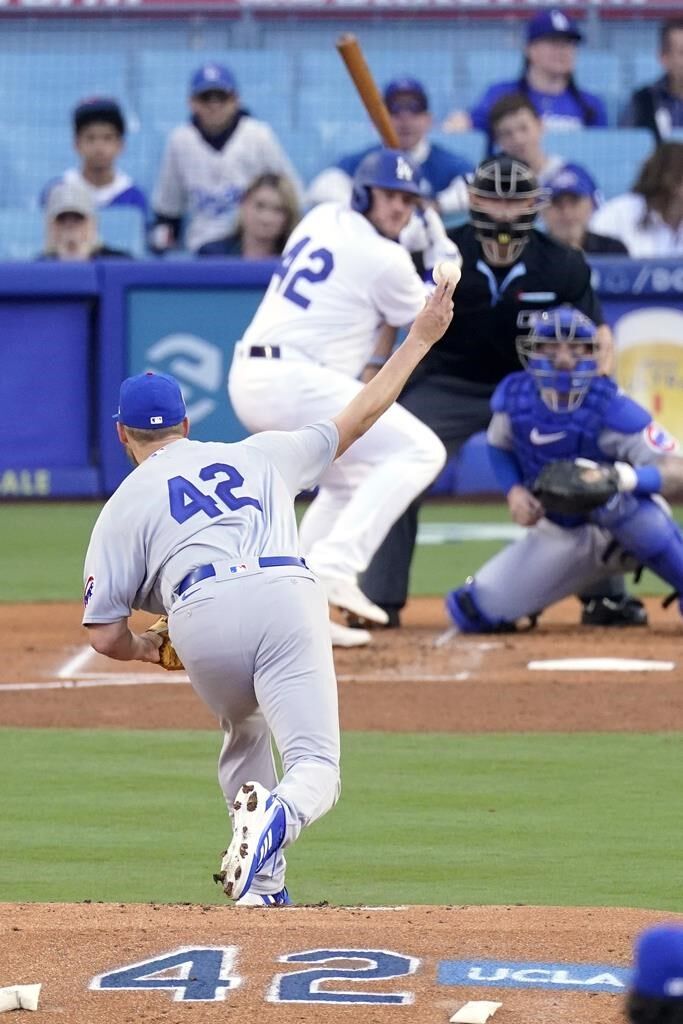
x: 361, y: 494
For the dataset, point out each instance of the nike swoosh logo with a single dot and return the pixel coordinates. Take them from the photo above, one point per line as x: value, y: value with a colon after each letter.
x: 537, y: 438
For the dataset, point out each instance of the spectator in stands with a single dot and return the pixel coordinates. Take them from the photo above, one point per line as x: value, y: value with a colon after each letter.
x: 649, y: 218
x: 71, y: 226
x: 547, y: 78
x: 443, y: 171
x: 517, y: 129
x: 99, y: 134
x: 209, y: 162
x: 655, y: 995
x: 268, y: 212
x: 574, y: 199
x: 659, y: 106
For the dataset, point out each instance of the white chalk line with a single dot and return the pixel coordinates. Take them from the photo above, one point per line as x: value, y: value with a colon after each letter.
x: 90, y: 684
x: 71, y: 670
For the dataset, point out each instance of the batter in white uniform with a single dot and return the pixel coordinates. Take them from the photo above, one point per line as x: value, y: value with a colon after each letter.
x: 318, y: 329
x: 206, y: 533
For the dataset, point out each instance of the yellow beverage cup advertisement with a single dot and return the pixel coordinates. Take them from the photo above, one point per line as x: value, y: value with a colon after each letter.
x: 649, y: 348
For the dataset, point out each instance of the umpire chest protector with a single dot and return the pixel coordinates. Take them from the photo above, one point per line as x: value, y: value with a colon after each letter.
x: 542, y: 435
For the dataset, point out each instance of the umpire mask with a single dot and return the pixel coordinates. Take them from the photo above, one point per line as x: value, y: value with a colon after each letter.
x: 504, y: 200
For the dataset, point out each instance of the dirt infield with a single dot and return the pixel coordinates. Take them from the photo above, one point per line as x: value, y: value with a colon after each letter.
x: 563, y: 964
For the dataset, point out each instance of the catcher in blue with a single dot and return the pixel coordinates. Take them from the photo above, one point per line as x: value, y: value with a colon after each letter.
x: 581, y: 464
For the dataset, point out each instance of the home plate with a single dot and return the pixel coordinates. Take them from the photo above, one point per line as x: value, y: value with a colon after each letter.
x: 602, y: 665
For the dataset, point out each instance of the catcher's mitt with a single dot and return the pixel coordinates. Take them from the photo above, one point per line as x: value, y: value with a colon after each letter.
x: 168, y: 656
x: 574, y: 487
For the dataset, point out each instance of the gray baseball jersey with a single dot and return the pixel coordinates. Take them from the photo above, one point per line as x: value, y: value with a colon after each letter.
x: 193, y: 502
x: 205, y: 185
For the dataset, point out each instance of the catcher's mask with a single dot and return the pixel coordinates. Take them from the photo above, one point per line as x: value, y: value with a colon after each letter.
x: 561, y: 388
x: 504, y: 200
x: 384, y: 168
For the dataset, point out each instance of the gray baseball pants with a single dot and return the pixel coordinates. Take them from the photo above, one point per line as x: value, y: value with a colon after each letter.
x: 256, y: 646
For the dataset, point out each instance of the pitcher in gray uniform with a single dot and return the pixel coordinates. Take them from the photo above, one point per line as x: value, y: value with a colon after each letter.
x: 206, y: 533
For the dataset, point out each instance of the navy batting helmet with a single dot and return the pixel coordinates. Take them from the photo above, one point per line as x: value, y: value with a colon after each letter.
x: 384, y: 168
x: 562, y: 387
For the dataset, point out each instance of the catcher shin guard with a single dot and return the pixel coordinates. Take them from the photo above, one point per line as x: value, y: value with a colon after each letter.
x: 645, y: 529
x: 467, y: 617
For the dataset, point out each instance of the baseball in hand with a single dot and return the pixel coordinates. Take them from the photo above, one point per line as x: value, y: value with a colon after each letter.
x: 446, y: 270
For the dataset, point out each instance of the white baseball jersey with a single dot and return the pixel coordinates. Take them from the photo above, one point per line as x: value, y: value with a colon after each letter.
x: 645, y: 235
x: 205, y: 185
x: 338, y: 281
x: 194, y: 502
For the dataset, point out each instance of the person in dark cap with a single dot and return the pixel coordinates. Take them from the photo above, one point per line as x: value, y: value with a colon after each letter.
x: 99, y: 135
x: 656, y: 992
x: 547, y: 78
x: 574, y: 198
x: 443, y: 171
x: 209, y: 162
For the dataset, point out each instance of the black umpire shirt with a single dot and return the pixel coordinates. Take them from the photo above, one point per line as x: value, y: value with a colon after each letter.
x: 479, y: 345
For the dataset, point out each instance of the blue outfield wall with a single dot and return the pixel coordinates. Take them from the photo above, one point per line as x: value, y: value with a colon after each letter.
x: 70, y: 333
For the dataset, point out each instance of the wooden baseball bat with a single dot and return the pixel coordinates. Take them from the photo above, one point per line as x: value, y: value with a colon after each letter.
x: 351, y: 53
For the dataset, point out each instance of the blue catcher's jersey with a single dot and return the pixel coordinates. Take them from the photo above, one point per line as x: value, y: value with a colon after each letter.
x: 541, y: 435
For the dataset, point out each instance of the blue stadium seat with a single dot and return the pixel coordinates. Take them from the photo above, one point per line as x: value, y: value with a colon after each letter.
x: 600, y: 72
x: 265, y: 79
x: 646, y: 68
x: 21, y: 233
x: 123, y: 227
x: 612, y: 155
x: 30, y: 155
x: 481, y: 68
x: 46, y: 86
x: 471, y: 145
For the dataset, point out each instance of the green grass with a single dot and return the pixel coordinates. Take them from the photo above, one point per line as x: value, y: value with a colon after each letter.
x: 577, y: 819
x: 43, y: 547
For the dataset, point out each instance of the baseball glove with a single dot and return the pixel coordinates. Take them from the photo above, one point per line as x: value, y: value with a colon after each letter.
x: 574, y: 487
x: 168, y: 656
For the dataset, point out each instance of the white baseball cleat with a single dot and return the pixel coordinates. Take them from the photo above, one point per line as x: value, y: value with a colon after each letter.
x: 258, y: 832
x: 256, y: 899
x: 344, y: 636
x: 348, y: 596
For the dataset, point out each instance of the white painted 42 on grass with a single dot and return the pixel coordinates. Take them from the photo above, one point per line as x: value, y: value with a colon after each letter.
x: 209, y: 974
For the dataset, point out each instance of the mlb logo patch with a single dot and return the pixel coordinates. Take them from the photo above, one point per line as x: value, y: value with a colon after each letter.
x: 87, y: 593
x: 659, y: 439
x: 155, y: 421
x: 242, y: 567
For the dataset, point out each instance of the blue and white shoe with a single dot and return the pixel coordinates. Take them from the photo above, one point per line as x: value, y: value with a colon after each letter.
x: 258, y: 832
x: 271, y: 899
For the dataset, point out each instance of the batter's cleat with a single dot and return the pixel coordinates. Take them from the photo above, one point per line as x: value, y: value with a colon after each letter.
x: 342, y: 636
x: 258, y: 899
x: 393, y: 620
x: 258, y: 832
x: 610, y: 611
x: 348, y: 596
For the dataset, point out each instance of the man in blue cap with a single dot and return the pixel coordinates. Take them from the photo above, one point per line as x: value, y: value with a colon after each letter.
x: 547, y: 78
x: 443, y: 172
x: 205, y: 533
x: 574, y: 198
x: 210, y: 161
x: 656, y: 993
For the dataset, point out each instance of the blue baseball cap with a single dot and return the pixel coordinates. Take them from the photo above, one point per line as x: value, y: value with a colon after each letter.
x: 658, y: 962
x: 574, y: 180
x: 405, y: 86
x: 150, y: 401
x: 552, y: 23
x: 212, y: 76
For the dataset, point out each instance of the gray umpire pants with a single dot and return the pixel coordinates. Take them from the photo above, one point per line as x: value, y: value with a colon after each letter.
x: 455, y: 409
x: 257, y: 649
